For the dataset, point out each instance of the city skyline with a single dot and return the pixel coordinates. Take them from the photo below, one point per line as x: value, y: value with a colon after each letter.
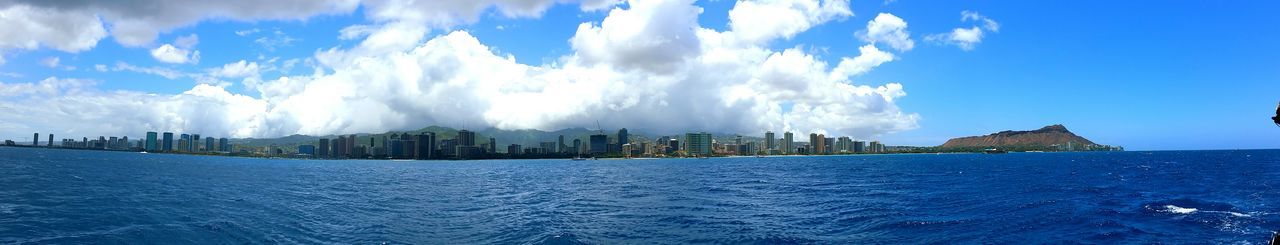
x: 908, y: 72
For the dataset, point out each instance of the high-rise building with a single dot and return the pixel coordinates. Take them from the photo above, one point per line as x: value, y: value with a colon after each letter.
x: 224, y: 145
x: 698, y: 144
x: 208, y: 145
x: 623, y: 137
x: 309, y: 150
x: 167, y: 142
x: 194, y: 145
x: 673, y: 145
x: 426, y: 145
x: 514, y: 149
x: 577, y: 146
x: 769, y: 143
x: 814, y: 142
x: 340, y: 147
x: 828, y: 145
x: 859, y: 146
x: 50, y: 140
x: 788, y: 143
x: 350, y: 146
x: 493, y: 148
x: 599, y: 144
x: 560, y: 147
x: 35, y: 140
x: 322, y: 150
x: 466, y: 138
x: 152, y: 137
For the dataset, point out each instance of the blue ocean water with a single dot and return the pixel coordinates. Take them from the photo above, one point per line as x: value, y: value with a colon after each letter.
x: 69, y: 196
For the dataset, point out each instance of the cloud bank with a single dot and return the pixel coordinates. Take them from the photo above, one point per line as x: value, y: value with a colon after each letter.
x: 647, y: 65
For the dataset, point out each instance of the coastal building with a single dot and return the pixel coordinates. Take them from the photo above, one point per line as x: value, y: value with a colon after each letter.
x: 152, y: 138
x: 560, y: 148
x: 208, y: 145
x: 308, y: 150
x: 698, y: 144
x: 577, y: 146
x: 769, y: 143
x: 322, y: 149
x: 828, y: 145
x: 599, y: 144
x: 623, y: 137
x: 788, y: 143
x: 224, y: 145
x: 167, y: 142
x: 35, y: 139
x: 514, y: 149
x: 426, y: 146
x: 194, y: 144
x: 859, y: 146
x: 50, y: 141
x: 340, y: 147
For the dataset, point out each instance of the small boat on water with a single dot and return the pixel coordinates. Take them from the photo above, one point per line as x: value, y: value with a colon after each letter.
x: 579, y: 159
x: 994, y: 151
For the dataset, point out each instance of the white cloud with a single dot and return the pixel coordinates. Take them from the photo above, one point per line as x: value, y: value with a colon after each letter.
x: 51, y: 62
x: 785, y: 18
x: 239, y: 69
x: 966, y: 38
x: 247, y: 32
x: 276, y: 40
x: 888, y: 29
x: 187, y: 42
x: 27, y: 27
x: 647, y: 66
x: 987, y: 23
x: 158, y: 71
x: 100, y: 67
x: 170, y: 54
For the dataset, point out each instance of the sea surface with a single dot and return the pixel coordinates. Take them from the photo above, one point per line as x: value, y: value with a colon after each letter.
x: 91, y: 197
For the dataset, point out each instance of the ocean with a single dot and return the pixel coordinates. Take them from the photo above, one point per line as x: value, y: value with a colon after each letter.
x: 91, y: 197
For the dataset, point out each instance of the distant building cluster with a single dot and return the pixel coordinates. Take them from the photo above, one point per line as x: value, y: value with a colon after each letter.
x: 465, y: 145
x: 153, y: 142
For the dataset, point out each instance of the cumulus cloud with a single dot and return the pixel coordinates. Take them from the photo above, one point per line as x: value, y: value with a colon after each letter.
x: 888, y: 29
x: 648, y: 65
x: 170, y: 54
x: 966, y: 38
x: 784, y: 18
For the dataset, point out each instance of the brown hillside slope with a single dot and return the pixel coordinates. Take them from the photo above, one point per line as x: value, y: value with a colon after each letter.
x: 1044, y: 137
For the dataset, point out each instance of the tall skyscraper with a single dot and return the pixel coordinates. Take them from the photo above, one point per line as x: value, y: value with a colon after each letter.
x: 577, y: 146
x: 224, y: 145
x: 426, y: 145
x: 152, y: 137
x: 340, y: 147
x: 623, y: 137
x: 194, y: 144
x: 167, y: 142
x: 769, y: 141
x: 466, y: 138
x: 351, y: 146
x: 208, y: 144
x: 35, y: 140
x: 322, y: 149
x: 814, y: 143
x: 599, y: 144
x: 698, y: 144
x: 493, y: 148
x: 828, y: 145
x: 788, y: 143
x: 51, y: 140
x: 561, y: 146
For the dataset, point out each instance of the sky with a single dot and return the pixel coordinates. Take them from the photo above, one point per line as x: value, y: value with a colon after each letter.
x: 1146, y: 75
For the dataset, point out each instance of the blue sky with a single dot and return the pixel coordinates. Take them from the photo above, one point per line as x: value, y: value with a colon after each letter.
x: 1142, y: 74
